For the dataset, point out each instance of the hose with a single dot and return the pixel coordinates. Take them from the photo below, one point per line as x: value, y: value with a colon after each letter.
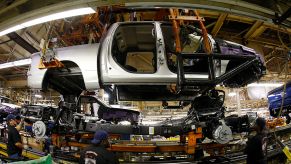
x: 284, y: 89
x: 286, y: 67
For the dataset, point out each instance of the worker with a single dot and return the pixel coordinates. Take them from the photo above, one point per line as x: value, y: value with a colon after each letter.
x: 256, y: 148
x: 14, y: 146
x: 97, y: 152
x: 18, y: 119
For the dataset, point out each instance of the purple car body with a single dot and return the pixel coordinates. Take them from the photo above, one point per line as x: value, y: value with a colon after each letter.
x: 7, y: 107
x: 107, y: 112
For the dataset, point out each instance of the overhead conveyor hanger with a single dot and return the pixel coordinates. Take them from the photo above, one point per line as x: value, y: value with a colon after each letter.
x: 48, y: 57
x: 183, y: 84
x: 178, y: 20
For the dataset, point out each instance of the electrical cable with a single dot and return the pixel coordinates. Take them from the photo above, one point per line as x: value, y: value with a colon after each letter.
x: 286, y: 74
x: 281, y: 41
x: 284, y: 89
x: 286, y: 67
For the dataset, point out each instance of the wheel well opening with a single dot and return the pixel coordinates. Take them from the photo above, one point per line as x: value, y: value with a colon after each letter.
x: 67, y: 80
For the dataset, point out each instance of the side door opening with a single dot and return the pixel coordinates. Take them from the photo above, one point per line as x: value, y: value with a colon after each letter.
x: 134, y: 48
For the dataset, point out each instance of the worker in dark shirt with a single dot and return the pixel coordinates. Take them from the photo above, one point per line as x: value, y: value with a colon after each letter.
x: 256, y: 148
x: 97, y: 152
x: 14, y: 146
x: 18, y: 119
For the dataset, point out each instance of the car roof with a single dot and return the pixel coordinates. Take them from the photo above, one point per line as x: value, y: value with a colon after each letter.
x: 280, y: 88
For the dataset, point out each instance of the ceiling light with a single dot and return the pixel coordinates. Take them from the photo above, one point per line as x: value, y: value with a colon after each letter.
x: 9, y: 30
x: 265, y: 84
x: 124, y: 123
x: 55, y: 16
x: 60, y: 15
x: 106, y: 95
x: 38, y: 96
x: 231, y: 94
x: 15, y: 63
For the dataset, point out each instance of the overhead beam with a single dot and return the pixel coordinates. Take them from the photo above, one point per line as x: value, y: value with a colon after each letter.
x: 219, y: 24
x: 247, y: 20
x: 278, y: 28
x: 23, y: 43
x: 12, y: 6
x: 263, y: 41
x: 270, y: 53
x: 32, y: 37
x: 255, y: 30
x: 6, y: 41
x: 240, y: 8
x: 12, y: 51
x: 210, y: 25
x: 258, y: 31
x: 273, y: 57
x: 230, y: 17
x: 4, y: 54
x: 283, y: 17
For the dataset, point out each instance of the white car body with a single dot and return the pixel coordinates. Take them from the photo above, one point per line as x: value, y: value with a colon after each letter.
x: 128, y: 46
x: 85, y: 56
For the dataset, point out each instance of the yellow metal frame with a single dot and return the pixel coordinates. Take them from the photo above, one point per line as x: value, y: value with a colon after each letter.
x: 25, y: 153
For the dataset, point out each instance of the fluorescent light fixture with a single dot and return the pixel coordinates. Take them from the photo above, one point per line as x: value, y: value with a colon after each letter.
x: 38, y: 96
x: 9, y: 30
x: 60, y: 15
x: 150, y: 122
x: 15, y: 63
x: 265, y: 84
x: 106, y: 95
x: 55, y: 16
x: 124, y: 123
x: 231, y: 94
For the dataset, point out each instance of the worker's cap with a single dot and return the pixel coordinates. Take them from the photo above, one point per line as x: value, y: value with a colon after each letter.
x: 99, y: 136
x: 10, y: 117
x: 261, y: 122
x: 18, y: 117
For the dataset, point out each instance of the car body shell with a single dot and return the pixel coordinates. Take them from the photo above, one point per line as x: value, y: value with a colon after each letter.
x: 99, y: 68
x: 275, y: 99
x: 7, y: 106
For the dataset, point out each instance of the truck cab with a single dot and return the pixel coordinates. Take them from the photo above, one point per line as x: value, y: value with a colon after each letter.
x: 138, y: 61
